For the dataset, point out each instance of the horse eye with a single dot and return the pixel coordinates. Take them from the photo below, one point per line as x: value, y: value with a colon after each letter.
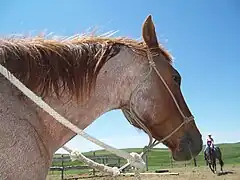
x: 177, y: 79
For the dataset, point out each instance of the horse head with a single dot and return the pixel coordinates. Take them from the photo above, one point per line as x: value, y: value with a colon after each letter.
x: 157, y: 105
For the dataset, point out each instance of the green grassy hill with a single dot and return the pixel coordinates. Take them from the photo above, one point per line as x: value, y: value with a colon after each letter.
x: 161, y: 157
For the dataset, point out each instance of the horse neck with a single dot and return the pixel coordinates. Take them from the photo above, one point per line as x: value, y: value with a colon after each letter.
x: 118, y: 73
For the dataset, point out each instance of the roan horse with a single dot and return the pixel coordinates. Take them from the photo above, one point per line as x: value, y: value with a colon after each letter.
x: 82, y: 78
x: 211, y: 156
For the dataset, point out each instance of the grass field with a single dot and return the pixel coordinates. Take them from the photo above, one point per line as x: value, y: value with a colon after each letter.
x: 161, y: 159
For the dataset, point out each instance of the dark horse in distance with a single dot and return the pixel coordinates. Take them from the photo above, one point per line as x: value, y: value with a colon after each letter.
x: 211, y: 155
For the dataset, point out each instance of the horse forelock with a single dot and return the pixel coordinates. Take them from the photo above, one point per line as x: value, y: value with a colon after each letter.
x: 52, y: 65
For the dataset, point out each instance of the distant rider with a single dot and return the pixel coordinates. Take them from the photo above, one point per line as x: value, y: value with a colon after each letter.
x: 210, y: 144
x: 210, y: 141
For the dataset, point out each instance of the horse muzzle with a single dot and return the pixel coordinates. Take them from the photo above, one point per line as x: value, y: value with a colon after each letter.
x: 190, y: 145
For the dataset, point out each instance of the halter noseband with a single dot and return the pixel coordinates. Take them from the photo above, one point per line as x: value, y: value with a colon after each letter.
x: 133, y: 117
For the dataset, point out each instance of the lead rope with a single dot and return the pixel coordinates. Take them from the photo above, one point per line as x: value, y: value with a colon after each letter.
x: 76, y: 155
x: 132, y: 158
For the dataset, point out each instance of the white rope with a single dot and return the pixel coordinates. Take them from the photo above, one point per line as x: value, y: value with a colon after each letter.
x: 76, y: 155
x: 114, y: 171
x: 65, y: 122
x: 134, y: 159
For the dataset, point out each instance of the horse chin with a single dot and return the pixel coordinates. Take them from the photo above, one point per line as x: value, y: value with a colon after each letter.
x: 185, y: 153
x: 179, y: 155
x: 182, y: 156
x: 187, y: 148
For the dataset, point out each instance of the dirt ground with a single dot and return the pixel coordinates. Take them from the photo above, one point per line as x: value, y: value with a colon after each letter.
x: 198, y: 173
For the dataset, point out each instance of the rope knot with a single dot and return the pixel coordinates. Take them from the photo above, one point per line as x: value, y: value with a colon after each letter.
x: 146, y: 148
x: 152, y: 63
x: 136, y: 161
x: 74, y: 155
x: 115, y: 171
x: 188, y: 119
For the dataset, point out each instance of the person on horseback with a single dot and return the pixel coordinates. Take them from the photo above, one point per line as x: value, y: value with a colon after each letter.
x: 210, y: 141
x: 209, y: 146
x: 211, y: 153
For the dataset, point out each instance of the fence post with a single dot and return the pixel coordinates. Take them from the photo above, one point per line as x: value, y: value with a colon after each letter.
x: 195, y: 162
x: 106, y: 159
x: 146, y: 160
x: 171, y: 162
x: 94, y: 154
x: 62, y: 169
x: 119, y: 162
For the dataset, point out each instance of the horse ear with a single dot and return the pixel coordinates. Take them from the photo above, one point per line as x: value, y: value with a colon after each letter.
x: 149, y: 34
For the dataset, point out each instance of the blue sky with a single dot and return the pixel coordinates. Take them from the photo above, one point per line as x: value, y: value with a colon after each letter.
x: 203, y: 36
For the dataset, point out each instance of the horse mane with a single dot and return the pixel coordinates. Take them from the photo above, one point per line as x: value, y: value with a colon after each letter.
x: 52, y: 65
